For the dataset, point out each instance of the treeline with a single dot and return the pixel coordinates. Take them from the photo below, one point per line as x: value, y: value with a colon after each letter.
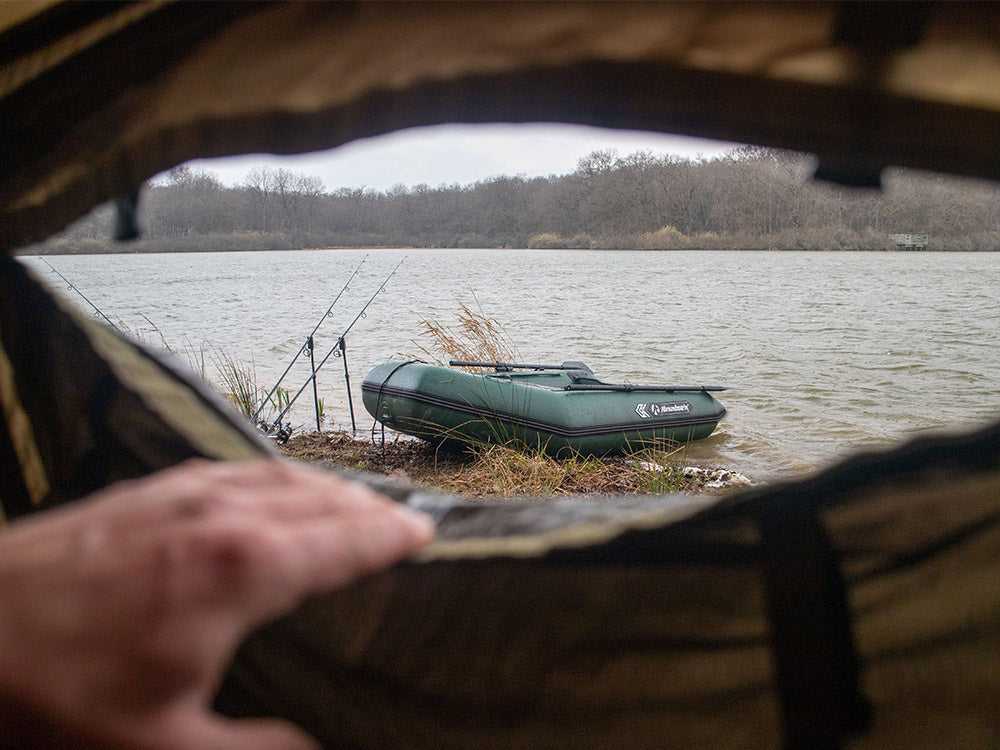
x: 750, y: 198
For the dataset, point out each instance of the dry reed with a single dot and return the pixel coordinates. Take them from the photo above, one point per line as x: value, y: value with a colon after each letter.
x: 475, y: 338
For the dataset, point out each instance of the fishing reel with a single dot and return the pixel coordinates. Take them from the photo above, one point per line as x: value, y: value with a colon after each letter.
x: 281, y: 436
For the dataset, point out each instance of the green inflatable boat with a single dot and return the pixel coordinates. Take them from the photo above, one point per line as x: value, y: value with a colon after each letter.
x: 559, y: 408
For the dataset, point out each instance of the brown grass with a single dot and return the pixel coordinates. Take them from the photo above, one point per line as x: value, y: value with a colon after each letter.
x: 495, y: 470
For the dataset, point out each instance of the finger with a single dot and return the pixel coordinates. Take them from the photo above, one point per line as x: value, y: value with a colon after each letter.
x: 200, y: 490
x: 266, y: 568
x: 338, y: 549
x: 190, y: 488
x: 263, y: 566
x: 275, y: 489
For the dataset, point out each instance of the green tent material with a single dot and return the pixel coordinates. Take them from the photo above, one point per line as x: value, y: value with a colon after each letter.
x: 860, y: 602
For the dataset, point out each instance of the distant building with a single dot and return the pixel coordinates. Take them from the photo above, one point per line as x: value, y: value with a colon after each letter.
x: 910, y: 241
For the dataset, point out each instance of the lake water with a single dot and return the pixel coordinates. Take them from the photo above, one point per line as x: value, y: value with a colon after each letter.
x: 827, y: 353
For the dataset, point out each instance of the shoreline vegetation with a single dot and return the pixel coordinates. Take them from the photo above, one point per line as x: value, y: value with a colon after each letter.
x: 750, y: 198
x: 56, y: 250
x: 497, y: 471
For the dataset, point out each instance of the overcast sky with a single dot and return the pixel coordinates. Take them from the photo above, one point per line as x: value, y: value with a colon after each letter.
x: 463, y: 154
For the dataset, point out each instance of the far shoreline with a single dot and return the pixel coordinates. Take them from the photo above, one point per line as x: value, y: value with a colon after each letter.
x: 60, y: 252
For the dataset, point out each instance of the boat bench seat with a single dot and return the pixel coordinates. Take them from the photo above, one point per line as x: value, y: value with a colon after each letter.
x: 579, y: 372
x: 582, y: 376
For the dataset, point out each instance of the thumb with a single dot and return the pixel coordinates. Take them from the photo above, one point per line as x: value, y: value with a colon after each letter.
x: 214, y: 732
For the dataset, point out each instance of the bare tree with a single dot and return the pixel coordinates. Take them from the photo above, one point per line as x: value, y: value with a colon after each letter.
x: 260, y: 184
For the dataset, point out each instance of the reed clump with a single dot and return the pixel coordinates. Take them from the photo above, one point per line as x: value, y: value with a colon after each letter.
x: 475, y: 337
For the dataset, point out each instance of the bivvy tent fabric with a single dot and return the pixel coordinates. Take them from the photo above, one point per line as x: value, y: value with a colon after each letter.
x: 863, y: 602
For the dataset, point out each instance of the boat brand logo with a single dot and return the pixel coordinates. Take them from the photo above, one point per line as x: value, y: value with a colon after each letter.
x: 645, y: 411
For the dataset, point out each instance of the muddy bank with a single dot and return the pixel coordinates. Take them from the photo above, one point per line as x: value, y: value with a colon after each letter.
x: 496, y: 471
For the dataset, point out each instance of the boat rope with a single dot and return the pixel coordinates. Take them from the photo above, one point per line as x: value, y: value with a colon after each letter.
x: 378, y: 402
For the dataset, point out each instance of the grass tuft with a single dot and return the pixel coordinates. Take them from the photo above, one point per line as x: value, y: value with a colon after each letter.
x: 239, y: 383
x: 660, y: 469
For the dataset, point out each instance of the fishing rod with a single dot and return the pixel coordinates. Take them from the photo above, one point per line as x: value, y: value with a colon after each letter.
x: 84, y: 296
x: 341, y: 350
x: 308, y: 346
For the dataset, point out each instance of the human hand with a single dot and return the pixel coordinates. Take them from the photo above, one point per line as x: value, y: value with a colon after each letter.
x: 119, y: 613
